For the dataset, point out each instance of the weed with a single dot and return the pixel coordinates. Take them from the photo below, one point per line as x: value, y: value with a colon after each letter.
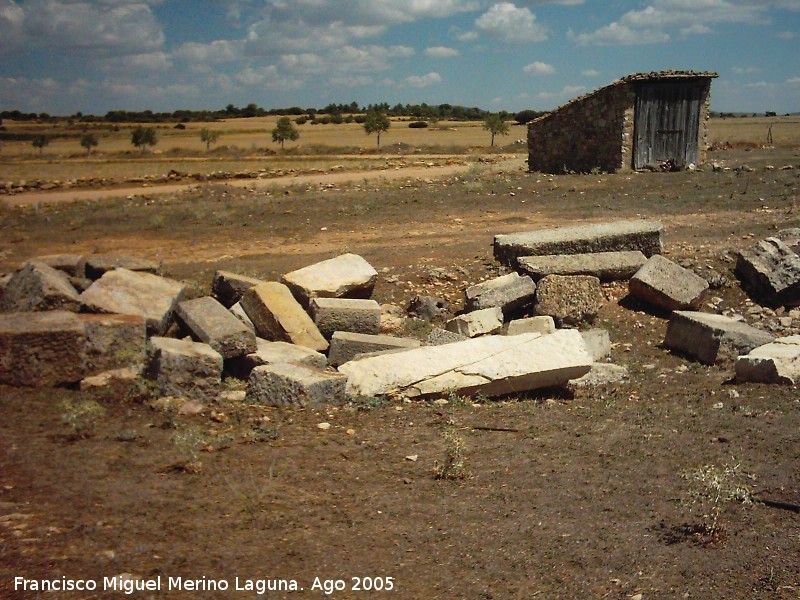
x: 253, y: 494
x: 127, y: 435
x: 371, y: 403
x: 81, y: 417
x: 262, y: 433
x: 143, y: 390
x: 454, y: 466
x: 157, y: 222
x: 188, y: 442
x: 416, y: 328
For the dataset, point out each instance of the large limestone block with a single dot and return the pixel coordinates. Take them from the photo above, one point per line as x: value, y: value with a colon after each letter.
x: 479, y: 322
x: 644, y: 236
x: 346, y: 314
x: 37, y: 286
x: 508, y: 292
x: 114, y: 341
x: 346, y: 276
x: 42, y: 349
x: 542, y: 324
x: 598, y: 343
x: 211, y: 323
x: 277, y: 316
x: 666, y: 285
x: 778, y: 362
x: 135, y: 293
x: 71, y: 264
x: 606, y: 266
x: 570, y: 300
x: 228, y: 287
x: 712, y: 338
x: 287, y: 384
x: 490, y: 365
x: 346, y: 345
x: 94, y: 266
x: 184, y: 368
x: 771, y: 272
x: 272, y: 353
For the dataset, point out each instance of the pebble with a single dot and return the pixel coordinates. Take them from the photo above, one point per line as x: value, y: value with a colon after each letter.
x: 324, y: 426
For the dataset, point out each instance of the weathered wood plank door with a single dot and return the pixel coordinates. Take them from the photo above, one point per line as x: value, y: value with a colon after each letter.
x: 667, y: 123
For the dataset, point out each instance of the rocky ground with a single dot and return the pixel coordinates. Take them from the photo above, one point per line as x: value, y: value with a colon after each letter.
x: 647, y: 488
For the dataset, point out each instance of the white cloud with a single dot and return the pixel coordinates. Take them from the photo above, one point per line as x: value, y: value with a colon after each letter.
x: 695, y: 29
x: 420, y: 81
x: 507, y: 22
x: 793, y: 81
x: 787, y: 35
x: 348, y: 59
x: 567, y: 93
x: 539, y: 68
x: 441, y: 52
x: 745, y: 70
x: 258, y: 75
x: 618, y: 34
x: 590, y: 73
x: 148, y: 62
x: 218, y: 51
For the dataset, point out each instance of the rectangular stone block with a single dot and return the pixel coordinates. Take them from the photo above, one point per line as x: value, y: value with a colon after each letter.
x: 277, y: 316
x: 666, y: 285
x: 121, y: 291
x: 295, y: 385
x: 238, y: 312
x: 42, y: 349
x: 606, y: 266
x: 644, y: 236
x: 598, y: 343
x: 210, y: 322
x: 93, y: 266
x: 346, y: 314
x: 490, y: 365
x: 71, y: 264
x: 778, y: 362
x: 509, y: 293
x: 114, y: 341
x: 346, y: 345
x: 345, y: 276
x: 542, y: 324
x: 712, y: 338
x: 479, y: 322
x: 272, y: 353
x: 184, y: 368
x: 228, y: 287
x: 37, y: 286
x: 770, y: 271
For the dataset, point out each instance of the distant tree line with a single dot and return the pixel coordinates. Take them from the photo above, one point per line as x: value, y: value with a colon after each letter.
x: 332, y: 113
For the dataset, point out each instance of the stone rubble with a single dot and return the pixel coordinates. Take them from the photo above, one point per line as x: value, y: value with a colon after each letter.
x: 345, y: 276
x: 606, y: 266
x: 508, y: 292
x: 669, y: 286
x: 479, y: 322
x: 208, y: 321
x: 346, y: 314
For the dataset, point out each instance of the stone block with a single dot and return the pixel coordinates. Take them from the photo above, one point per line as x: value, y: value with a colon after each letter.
x: 598, y: 343
x: 114, y: 341
x: 211, y: 323
x: 184, y: 368
x: 94, y: 266
x: 790, y: 237
x: 42, y: 349
x: 346, y: 345
x: 543, y: 324
x: 126, y: 292
x: 777, y: 362
x: 601, y: 374
x: 666, y: 285
x: 508, y: 292
x: 346, y: 314
x: 440, y: 337
x: 606, y: 266
x: 712, y: 338
x: 345, y: 276
x: 490, y: 365
x: 287, y: 384
x: 71, y: 264
x: 277, y: 316
x: 117, y: 382
x: 479, y: 322
x: 570, y: 300
x: 619, y: 236
x: 770, y: 271
x: 238, y: 312
x: 273, y: 353
x: 37, y: 286
x: 228, y: 287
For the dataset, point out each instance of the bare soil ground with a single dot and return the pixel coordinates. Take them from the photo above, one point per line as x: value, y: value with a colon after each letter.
x: 623, y: 491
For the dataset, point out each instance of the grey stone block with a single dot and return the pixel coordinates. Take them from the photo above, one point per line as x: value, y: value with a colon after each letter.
x: 345, y: 276
x: 345, y: 345
x: 606, y: 266
x: 712, y: 338
x: 440, y: 337
x: 543, y: 324
x: 114, y: 341
x: 71, y: 264
x: 37, y: 286
x: 127, y: 292
x: 644, y: 236
x: 778, y: 362
x: 228, y: 287
x: 664, y: 284
x: 211, y: 323
x: 770, y: 271
x: 273, y: 353
x: 184, y: 368
x: 479, y: 322
x: 94, y: 266
x: 508, y: 292
x: 289, y: 384
x: 346, y: 314
x: 570, y: 300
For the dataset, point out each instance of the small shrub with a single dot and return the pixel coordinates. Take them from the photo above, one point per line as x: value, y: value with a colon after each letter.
x: 418, y: 124
x: 454, y: 466
x: 188, y: 442
x: 81, y: 417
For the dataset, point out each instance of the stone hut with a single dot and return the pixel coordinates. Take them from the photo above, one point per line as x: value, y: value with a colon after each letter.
x: 641, y: 120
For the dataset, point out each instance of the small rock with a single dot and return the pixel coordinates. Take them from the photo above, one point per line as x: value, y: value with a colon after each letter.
x: 324, y: 426
x: 412, y: 457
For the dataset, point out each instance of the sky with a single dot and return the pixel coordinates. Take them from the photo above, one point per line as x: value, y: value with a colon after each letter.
x: 65, y: 56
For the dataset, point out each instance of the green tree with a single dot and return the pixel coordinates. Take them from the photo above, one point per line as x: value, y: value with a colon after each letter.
x: 376, y: 122
x: 142, y: 137
x: 40, y: 141
x: 285, y: 130
x: 89, y: 141
x: 494, y: 124
x: 209, y: 137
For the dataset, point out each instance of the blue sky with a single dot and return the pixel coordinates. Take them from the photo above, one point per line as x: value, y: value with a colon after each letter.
x: 63, y: 56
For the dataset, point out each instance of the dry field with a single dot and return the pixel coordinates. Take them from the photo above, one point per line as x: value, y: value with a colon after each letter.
x: 631, y: 490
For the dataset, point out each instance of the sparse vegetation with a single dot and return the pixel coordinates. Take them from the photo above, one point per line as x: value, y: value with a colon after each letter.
x: 89, y: 141
x: 209, y: 136
x: 144, y: 137
x: 377, y: 123
x: 495, y: 125
x: 454, y: 465
x: 40, y: 142
x: 285, y: 131
x: 81, y: 417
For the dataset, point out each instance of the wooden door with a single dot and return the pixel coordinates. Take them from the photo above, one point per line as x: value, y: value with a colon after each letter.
x: 667, y: 123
